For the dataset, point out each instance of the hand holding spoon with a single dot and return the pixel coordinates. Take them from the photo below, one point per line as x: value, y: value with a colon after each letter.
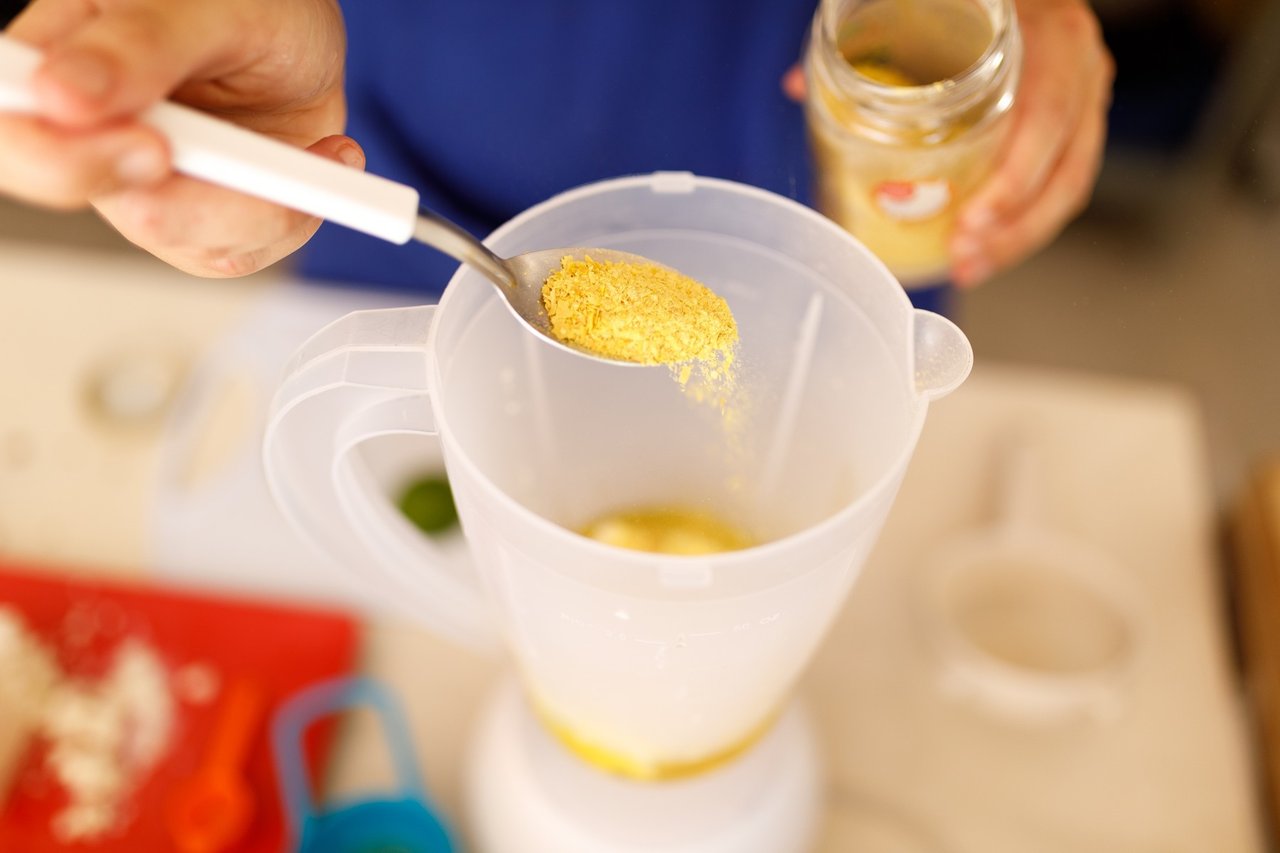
x: 230, y: 156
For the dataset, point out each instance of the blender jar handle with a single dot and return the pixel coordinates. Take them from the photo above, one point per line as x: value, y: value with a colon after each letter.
x: 360, y: 377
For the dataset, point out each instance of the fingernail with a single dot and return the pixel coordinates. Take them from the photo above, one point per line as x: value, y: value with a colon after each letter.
x: 143, y: 165
x: 88, y: 75
x: 351, y: 155
x: 978, y: 218
x: 964, y: 247
x: 975, y: 272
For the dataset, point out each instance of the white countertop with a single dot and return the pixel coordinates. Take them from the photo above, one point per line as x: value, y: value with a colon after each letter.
x: 1123, y: 469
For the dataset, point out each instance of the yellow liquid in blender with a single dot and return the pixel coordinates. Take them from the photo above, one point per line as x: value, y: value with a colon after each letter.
x: 668, y: 530
x: 624, y: 765
x: 660, y: 530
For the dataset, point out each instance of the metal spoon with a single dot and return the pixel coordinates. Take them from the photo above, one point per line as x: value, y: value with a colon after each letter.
x: 520, y: 278
x: 230, y: 156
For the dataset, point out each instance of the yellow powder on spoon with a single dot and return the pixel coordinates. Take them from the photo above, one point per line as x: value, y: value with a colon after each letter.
x: 638, y: 312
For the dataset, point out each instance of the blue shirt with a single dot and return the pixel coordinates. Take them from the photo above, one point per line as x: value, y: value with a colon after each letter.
x: 490, y: 106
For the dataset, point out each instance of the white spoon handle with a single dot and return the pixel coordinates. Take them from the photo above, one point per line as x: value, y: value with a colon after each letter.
x: 227, y: 155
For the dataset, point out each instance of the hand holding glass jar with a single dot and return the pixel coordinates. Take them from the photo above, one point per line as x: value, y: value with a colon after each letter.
x: 938, y: 144
x: 1058, y: 125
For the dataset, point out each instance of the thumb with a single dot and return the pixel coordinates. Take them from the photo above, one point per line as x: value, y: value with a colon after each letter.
x: 129, y: 56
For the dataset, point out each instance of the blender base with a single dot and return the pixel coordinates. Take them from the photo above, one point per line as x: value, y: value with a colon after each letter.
x: 526, y: 793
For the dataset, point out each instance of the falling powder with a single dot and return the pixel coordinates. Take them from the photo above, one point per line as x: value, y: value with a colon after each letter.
x: 650, y: 314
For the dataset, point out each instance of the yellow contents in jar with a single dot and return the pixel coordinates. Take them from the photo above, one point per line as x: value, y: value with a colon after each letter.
x: 675, y: 531
x: 915, y: 42
x: 638, y: 312
x: 880, y: 72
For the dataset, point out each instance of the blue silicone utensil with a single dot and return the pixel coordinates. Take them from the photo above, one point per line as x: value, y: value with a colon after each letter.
x: 401, y: 821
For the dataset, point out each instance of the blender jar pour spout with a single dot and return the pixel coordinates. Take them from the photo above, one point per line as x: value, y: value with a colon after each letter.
x: 942, y: 353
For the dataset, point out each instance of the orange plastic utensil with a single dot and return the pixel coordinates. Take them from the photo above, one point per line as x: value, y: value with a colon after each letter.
x: 211, y: 810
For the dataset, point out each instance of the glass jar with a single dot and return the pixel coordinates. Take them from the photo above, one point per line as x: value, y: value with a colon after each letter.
x: 907, y: 107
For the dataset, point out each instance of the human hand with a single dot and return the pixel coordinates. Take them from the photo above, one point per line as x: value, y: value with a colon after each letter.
x: 1051, y: 159
x: 1050, y: 162
x: 274, y: 67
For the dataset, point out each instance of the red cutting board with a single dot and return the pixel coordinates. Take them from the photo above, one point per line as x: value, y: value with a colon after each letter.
x: 282, y: 649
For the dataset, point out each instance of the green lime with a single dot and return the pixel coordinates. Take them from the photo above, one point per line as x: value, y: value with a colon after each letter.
x: 428, y: 503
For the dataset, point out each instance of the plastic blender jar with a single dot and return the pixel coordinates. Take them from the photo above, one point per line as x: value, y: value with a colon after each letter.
x: 656, y: 666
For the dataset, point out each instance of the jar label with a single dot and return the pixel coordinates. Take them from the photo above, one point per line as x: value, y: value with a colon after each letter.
x: 912, y: 201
